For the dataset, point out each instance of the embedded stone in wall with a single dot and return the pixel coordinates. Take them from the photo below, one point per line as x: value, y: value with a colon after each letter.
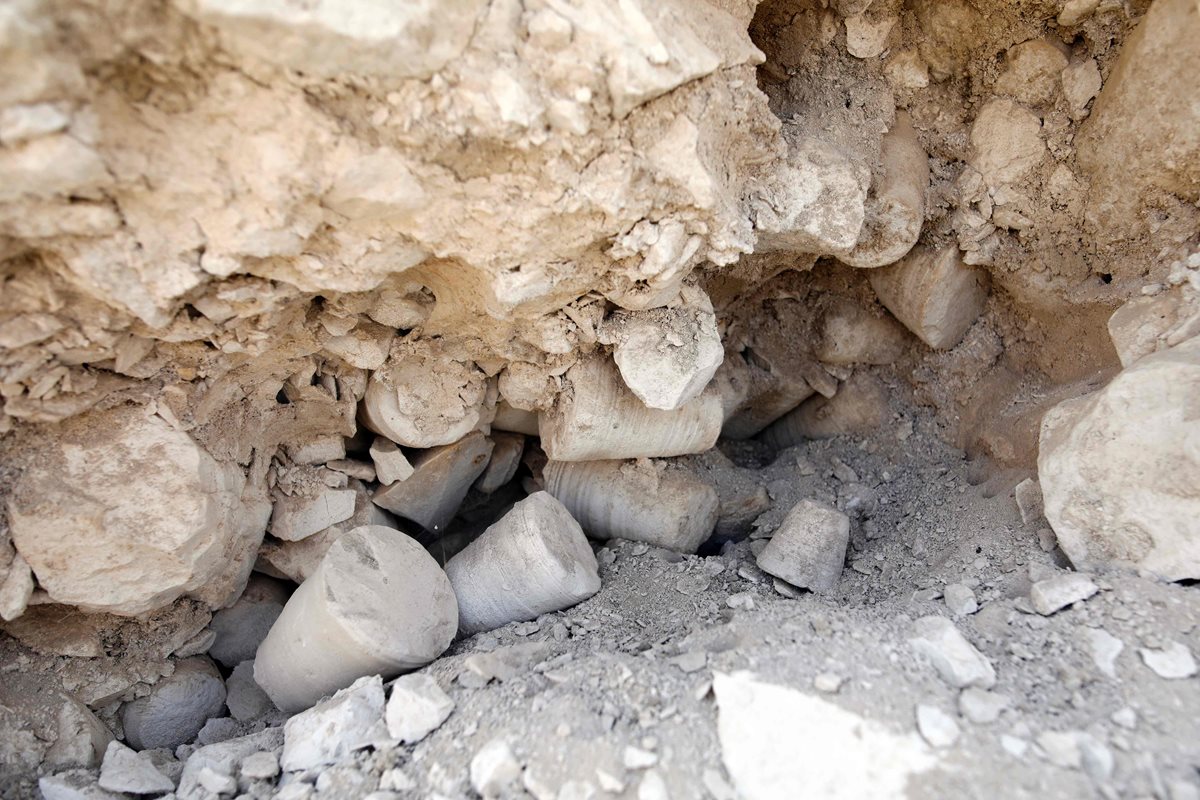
x: 933, y: 293
x: 599, y: 418
x: 120, y: 512
x: 440, y: 480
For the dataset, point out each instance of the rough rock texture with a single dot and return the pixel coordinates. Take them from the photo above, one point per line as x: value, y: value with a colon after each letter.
x: 1145, y: 512
x: 189, y: 525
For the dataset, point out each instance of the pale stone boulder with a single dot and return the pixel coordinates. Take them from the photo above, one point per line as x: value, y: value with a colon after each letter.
x: 122, y: 513
x: 933, y: 293
x: 318, y: 450
x: 1146, y: 324
x: 440, y: 480
x: 816, y: 203
x: 177, y: 706
x: 1120, y: 468
x: 860, y: 406
x: 598, y: 418
x: 244, y: 697
x: 124, y: 770
x: 534, y: 560
x: 516, y: 420
x: 1054, y: 594
x: 331, y: 729
x: 643, y: 501
x: 809, y: 547
x: 666, y: 356
x: 423, y: 398
x: 377, y: 605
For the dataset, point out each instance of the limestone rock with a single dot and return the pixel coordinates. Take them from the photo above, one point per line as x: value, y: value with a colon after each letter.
x: 421, y: 398
x: 95, y: 539
x: 599, y: 418
x: 391, y: 465
x: 666, y: 356
x: 643, y: 501
x: 837, y: 754
x: 1056, y: 593
x: 1120, y: 469
x: 318, y: 450
x: 502, y: 466
x: 296, y: 517
x: 534, y: 560
x: 297, y: 560
x: 378, y: 604
x: 16, y: 589
x: 177, y: 706
x: 954, y: 658
x: 326, y: 38
x: 494, y: 768
x: 124, y: 770
x: 809, y: 547
x: 440, y: 480
x: 241, y: 628
x: 1143, y: 135
x: 416, y: 707
x: 331, y: 729
x: 850, y: 334
x: 73, y: 785
x: 41, y: 724
x: 1173, y: 662
x: 225, y: 757
x: 933, y: 293
x: 815, y: 204
x: 1147, y: 324
x: 1032, y: 73
x: 936, y: 726
x: 1006, y: 142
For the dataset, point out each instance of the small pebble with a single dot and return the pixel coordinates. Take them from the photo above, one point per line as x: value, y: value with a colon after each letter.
x: 960, y: 599
x: 936, y: 726
x: 828, y: 682
x: 1173, y: 662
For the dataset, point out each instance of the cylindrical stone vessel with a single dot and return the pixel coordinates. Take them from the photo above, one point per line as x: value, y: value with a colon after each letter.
x: 378, y: 604
x: 534, y: 560
x: 643, y: 501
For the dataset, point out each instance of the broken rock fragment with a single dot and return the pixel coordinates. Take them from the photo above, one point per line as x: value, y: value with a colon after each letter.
x: 954, y: 658
x: 933, y: 293
x: 666, y: 356
x: 377, y: 605
x: 643, y: 501
x: 124, y: 770
x: 1061, y: 591
x: 440, y: 480
x: 534, y: 560
x: 177, y: 706
x: 296, y: 517
x: 391, y: 464
x: 598, y: 418
x: 502, y: 466
x: 416, y: 708
x: 97, y: 540
x: 1120, y: 468
x: 331, y: 729
x: 809, y: 548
